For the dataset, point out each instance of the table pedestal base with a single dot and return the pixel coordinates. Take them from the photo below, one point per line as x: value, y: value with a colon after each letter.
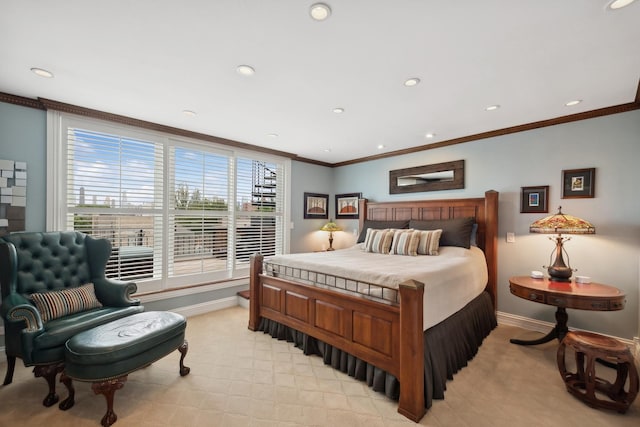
x: 559, y: 330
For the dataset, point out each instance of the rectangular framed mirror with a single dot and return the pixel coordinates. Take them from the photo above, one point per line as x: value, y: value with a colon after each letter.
x: 435, y: 177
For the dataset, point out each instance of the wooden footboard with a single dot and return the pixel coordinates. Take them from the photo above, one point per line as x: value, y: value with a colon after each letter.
x: 389, y: 337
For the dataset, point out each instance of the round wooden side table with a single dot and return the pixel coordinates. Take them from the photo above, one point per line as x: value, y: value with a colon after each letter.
x: 563, y: 295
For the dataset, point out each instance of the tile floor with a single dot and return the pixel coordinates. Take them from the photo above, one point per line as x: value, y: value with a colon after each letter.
x: 243, y: 378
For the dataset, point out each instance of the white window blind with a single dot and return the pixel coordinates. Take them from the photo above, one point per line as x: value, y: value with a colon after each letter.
x: 259, y: 208
x: 177, y: 212
x: 114, y: 191
x: 199, y: 214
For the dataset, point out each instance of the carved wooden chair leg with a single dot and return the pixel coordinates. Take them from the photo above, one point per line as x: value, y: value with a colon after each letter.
x: 108, y: 389
x: 70, y: 400
x: 49, y: 372
x: 11, y: 366
x: 184, y: 370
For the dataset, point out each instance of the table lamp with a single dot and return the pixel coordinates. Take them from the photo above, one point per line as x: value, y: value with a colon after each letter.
x: 331, y: 227
x: 561, y: 224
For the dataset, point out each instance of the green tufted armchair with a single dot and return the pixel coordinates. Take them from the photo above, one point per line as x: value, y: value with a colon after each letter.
x: 38, y: 271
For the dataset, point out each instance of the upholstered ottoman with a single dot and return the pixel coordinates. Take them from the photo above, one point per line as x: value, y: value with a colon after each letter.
x: 105, y: 355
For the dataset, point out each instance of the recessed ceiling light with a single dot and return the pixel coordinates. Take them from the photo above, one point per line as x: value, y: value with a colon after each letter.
x: 338, y: 110
x: 380, y: 146
x: 272, y: 135
x: 245, y: 70
x: 574, y: 102
x: 42, y: 73
x: 411, y: 82
x: 320, y: 11
x: 189, y: 113
x: 327, y: 150
x: 430, y: 135
x: 492, y: 107
x: 619, y: 4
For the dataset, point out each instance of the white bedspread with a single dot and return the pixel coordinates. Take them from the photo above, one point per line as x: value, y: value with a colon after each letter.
x: 451, y: 279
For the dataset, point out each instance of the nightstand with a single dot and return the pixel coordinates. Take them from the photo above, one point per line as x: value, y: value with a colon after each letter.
x: 563, y: 295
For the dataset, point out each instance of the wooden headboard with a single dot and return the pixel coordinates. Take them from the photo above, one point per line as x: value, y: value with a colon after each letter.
x: 483, y: 209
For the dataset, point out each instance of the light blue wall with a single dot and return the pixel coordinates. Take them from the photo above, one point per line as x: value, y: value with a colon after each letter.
x: 307, y: 178
x: 611, y: 144
x: 23, y: 136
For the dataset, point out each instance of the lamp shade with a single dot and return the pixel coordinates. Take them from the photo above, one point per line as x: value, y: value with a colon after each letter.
x: 331, y: 226
x: 562, y: 224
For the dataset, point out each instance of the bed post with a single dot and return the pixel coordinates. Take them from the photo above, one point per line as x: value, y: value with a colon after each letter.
x: 255, y: 269
x: 491, y: 243
x: 362, y: 210
x: 411, y: 402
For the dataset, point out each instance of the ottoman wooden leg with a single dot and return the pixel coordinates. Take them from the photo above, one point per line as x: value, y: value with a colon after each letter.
x: 108, y: 389
x: 49, y: 372
x: 184, y: 370
x: 70, y: 400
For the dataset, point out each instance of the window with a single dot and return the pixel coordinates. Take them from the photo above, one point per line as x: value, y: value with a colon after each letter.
x: 178, y: 212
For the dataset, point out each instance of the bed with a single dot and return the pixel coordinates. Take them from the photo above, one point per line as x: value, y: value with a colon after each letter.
x: 379, y: 334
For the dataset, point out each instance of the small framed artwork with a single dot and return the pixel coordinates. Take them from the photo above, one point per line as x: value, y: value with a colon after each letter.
x: 534, y: 199
x: 578, y: 183
x: 316, y: 206
x: 347, y: 205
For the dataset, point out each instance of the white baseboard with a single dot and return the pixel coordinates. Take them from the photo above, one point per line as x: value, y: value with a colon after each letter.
x: 243, y: 302
x: 523, y: 322
x: 544, y: 327
x: 206, y: 307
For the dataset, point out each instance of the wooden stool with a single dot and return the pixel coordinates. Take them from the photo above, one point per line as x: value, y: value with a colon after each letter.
x: 584, y: 383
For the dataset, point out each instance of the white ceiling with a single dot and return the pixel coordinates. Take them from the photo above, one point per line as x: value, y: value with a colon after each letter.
x: 152, y: 59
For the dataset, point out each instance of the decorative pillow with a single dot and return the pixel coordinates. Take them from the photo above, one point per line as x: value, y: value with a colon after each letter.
x: 55, y: 304
x: 455, y: 232
x: 405, y: 242
x: 473, y: 240
x: 378, y: 241
x: 380, y: 225
x: 429, y: 241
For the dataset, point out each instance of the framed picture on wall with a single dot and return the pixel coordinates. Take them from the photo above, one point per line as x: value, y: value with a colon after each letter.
x: 316, y: 206
x: 578, y: 183
x: 534, y: 199
x: 347, y: 205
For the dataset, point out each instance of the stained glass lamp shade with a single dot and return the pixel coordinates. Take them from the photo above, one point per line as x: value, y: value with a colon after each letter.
x: 559, y: 224
x: 331, y: 227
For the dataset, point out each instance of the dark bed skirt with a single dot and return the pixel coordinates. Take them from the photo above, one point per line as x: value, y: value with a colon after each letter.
x: 448, y: 346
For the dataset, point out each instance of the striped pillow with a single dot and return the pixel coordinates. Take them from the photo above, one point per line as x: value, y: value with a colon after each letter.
x: 378, y: 241
x: 405, y: 242
x: 55, y: 304
x: 429, y: 241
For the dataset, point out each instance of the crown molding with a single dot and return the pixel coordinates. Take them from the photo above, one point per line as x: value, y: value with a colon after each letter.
x: 505, y: 131
x: 48, y: 104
